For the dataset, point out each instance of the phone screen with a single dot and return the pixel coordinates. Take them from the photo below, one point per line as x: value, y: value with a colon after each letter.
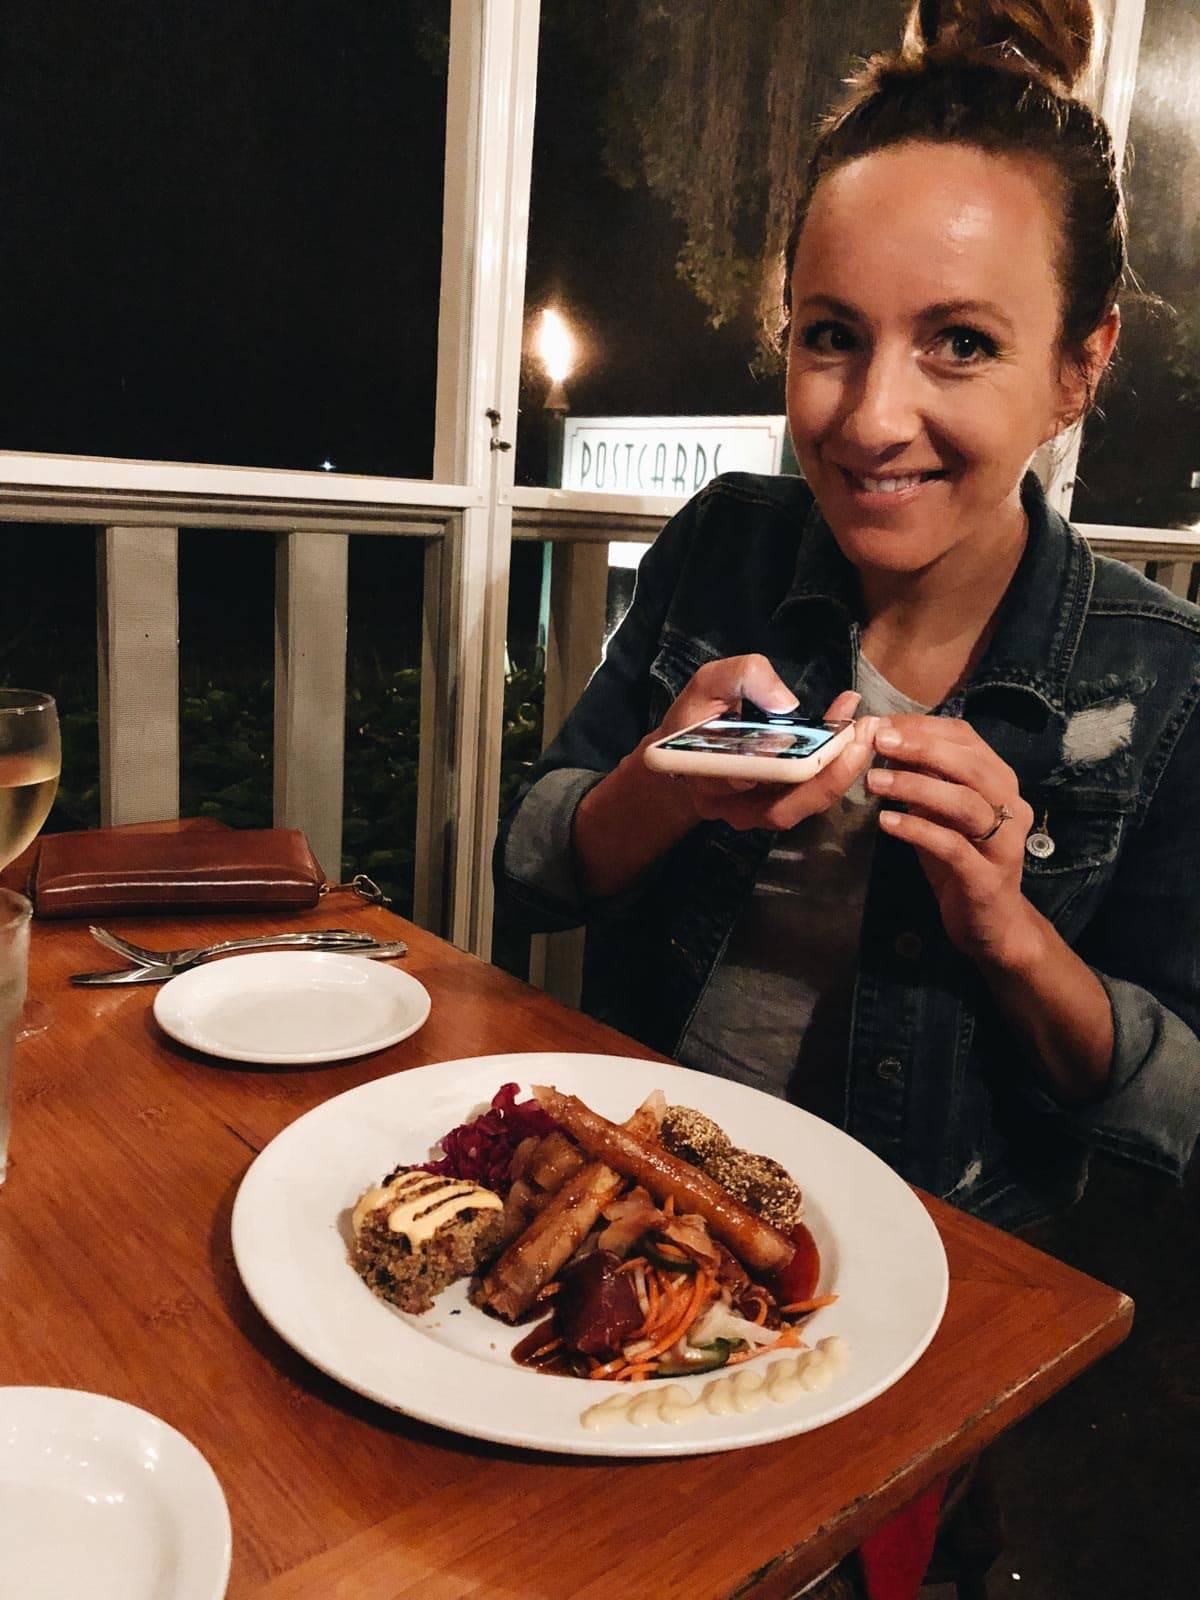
x: 734, y: 737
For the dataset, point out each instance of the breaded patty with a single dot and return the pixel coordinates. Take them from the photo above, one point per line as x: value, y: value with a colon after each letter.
x: 419, y: 1233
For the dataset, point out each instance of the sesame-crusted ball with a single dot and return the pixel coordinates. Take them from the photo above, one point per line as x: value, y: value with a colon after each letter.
x: 691, y: 1135
x: 759, y: 1183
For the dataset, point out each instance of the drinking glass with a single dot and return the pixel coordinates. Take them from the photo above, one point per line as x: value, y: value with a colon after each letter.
x: 14, y: 951
x: 30, y: 762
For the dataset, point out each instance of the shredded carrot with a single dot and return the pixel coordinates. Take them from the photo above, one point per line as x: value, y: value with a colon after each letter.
x: 609, y: 1369
x: 663, y: 1341
x: 808, y: 1305
x: 669, y: 1206
x: 662, y: 1298
x: 674, y: 1290
x: 682, y: 1309
x: 788, y: 1339
x: 654, y: 1298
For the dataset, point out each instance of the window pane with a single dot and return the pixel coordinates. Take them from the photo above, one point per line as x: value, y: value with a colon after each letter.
x: 222, y: 230
x: 662, y: 191
x: 1139, y: 459
x: 48, y: 641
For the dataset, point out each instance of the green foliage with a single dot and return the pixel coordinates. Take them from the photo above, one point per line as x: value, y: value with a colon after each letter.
x: 383, y: 729
x: 225, y: 745
x: 522, y: 736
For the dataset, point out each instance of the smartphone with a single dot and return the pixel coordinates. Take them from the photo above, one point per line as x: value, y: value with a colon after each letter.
x: 766, y: 749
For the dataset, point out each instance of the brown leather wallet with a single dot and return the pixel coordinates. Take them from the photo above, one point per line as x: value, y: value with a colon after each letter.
x: 119, y: 870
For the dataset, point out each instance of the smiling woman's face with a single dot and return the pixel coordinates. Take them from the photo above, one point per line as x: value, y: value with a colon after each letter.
x: 923, y: 360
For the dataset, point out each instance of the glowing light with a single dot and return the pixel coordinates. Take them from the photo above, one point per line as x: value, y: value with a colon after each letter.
x: 556, y: 346
x: 327, y: 466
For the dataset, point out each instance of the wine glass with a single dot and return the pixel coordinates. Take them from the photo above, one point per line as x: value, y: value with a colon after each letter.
x: 30, y: 762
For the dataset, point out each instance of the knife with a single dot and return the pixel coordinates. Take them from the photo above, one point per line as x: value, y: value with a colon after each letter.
x: 124, y: 976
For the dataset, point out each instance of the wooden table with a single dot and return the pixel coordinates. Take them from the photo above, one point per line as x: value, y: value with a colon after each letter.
x: 117, y: 1276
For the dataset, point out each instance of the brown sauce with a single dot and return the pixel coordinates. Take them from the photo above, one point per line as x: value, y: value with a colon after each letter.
x: 526, y: 1353
x: 798, y: 1280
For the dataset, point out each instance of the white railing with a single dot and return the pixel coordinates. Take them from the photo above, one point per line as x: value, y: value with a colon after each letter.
x: 138, y: 643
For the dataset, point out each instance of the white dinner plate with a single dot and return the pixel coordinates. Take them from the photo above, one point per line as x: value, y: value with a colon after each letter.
x: 291, y: 1006
x: 880, y: 1254
x: 99, y: 1498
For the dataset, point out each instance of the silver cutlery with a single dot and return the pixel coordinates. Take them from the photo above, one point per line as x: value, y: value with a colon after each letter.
x: 160, y: 973
x: 123, y: 977
x: 316, y: 938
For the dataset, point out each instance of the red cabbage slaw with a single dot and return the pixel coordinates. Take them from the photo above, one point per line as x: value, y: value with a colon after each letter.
x: 482, y: 1150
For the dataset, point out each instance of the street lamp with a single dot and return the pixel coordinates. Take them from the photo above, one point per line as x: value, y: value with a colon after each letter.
x: 556, y: 347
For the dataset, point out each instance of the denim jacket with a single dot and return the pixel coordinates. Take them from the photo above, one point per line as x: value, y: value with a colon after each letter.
x: 1088, y: 691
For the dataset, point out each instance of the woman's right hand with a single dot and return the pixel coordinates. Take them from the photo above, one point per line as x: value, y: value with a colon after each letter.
x: 720, y: 687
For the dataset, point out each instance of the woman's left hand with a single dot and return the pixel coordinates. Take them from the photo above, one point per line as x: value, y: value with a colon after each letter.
x: 955, y: 788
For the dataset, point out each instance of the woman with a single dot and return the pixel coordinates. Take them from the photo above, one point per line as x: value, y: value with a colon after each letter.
x: 981, y: 955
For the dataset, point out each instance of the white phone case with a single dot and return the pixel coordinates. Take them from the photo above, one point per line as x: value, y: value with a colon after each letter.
x: 759, y: 769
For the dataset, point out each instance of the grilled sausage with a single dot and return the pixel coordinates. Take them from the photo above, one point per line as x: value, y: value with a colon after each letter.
x: 753, y: 1241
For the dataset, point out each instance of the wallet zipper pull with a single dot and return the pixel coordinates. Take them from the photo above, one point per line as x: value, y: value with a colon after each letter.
x: 362, y: 886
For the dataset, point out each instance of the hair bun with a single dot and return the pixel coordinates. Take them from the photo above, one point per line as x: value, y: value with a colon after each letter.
x: 1050, y: 39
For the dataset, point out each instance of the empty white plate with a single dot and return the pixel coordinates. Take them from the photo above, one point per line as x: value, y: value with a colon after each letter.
x: 99, y: 1498
x: 291, y: 1006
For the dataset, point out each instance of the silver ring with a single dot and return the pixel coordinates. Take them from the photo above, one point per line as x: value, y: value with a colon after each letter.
x: 1002, y: 815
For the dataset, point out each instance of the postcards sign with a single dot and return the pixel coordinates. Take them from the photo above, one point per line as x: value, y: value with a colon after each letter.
x: 666, y: 455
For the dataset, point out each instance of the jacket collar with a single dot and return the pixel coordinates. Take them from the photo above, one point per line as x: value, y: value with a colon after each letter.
x: 1041, y: 616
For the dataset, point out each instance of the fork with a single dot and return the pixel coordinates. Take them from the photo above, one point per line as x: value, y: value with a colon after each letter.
x: 156, y: 972
x: 318, y: 938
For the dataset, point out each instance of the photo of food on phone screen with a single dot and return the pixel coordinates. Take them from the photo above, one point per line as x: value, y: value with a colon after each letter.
x: 756, y: 747
x: 734, y: 737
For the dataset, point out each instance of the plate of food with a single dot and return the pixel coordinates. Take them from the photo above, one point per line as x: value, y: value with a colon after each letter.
x: 100, y: 1498
x: 589, y: 1254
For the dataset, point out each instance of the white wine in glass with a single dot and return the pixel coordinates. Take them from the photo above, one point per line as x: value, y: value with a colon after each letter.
x: 30, y: 762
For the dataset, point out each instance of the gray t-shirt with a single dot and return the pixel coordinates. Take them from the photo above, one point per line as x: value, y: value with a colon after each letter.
x: 776, y: 1012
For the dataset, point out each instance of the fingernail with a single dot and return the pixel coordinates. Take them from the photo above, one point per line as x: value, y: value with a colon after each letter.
x: 888, y: 739
x: 880, y: 778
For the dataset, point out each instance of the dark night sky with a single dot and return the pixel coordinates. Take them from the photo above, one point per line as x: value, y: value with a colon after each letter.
x: 221, y: 231
x: 222, y: 234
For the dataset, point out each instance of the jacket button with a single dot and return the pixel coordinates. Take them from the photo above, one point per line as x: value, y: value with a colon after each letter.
x: 908, y: 946
x: 890, y: 1069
